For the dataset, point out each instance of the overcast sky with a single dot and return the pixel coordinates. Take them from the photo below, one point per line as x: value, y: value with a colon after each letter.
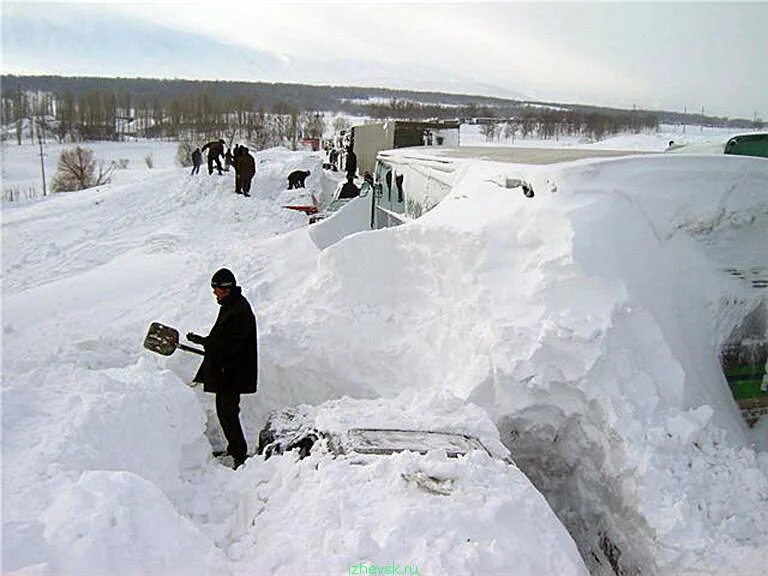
x: 653, y: 55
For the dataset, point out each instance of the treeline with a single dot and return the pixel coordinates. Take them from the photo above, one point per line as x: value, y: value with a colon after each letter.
x: 404, y: 109
x: 105, y: 115
x: 551, y: 124
x: 265, y: 114
x: 347, y: 99
x: 77, y: 109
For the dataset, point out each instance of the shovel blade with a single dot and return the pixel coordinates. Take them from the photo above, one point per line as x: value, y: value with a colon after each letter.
x: 161, y: 339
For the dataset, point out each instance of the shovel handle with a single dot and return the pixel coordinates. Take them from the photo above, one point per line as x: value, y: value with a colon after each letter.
x: 190, y: 349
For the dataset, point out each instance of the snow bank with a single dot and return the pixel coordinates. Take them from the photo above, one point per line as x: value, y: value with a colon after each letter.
x: 99, y: 526
x: 61, y: 423
x: 352, y: 217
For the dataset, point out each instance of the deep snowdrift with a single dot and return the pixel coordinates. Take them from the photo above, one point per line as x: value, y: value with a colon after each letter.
x: 585, y: 320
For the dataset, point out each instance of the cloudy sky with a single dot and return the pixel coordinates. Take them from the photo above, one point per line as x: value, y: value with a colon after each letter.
x: 664, y: 55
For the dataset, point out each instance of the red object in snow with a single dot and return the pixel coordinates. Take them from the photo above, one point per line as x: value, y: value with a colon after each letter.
x: 306, y: 209
x: 313, y: 143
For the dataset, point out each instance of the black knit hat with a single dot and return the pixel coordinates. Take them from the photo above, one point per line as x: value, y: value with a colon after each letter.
x: 223, y: 278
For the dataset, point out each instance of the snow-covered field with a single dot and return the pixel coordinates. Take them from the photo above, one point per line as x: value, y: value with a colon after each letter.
x: 580, y: 328
x: 696, y: 139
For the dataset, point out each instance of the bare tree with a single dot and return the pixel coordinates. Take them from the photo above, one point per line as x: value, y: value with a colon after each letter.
x: 340, y: 124
x: 312, y: 125
x: 510, y: 129
x: 184, y: 152
x: 77, y: 171
x: 489, y: 130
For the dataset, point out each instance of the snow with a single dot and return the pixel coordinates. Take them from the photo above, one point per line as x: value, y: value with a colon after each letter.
x: 687, y: 139
x: 353, y: 217
x: 579, y: 328
x: 483, y: 524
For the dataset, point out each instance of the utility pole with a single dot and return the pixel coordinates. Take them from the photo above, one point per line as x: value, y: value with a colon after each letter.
x: 42, y: 154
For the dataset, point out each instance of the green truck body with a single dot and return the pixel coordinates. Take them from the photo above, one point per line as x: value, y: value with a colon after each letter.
x: 748, y: 145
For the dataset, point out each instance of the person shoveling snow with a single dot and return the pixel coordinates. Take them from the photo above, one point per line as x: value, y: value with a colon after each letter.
x: 230, y: 363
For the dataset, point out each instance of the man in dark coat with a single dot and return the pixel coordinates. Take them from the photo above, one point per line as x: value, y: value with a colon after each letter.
x: 215, y: 151
x: 230, y: 365
x: 197, y: 160
x: 236, y: 155
x: 351, y: 165
x: 245, y: 168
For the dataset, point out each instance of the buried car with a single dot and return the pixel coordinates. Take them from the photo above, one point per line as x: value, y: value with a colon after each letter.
x: 294, y: 429
x: 371, y: 482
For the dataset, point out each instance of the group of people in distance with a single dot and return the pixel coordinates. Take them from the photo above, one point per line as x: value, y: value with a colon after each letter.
x: 239, y: 157
x: 245, y: 168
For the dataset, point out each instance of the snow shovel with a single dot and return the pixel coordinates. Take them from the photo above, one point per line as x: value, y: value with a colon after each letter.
x: 164, y: 340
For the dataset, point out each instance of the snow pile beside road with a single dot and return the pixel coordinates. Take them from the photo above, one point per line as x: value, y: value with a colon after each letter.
x: 99, y: 526
x: 352, y: 217
x: 66, y: 432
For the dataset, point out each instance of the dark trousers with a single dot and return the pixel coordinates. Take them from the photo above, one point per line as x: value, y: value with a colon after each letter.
x: 228, y: 411
x: 246, y: 184
x: 210, y: 164
x: 196, y: 169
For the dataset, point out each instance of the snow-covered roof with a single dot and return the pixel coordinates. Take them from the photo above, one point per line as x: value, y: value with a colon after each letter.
x: 515, y: 155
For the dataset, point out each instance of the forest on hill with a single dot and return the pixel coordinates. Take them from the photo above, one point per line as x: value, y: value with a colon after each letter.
x: 91, y: 108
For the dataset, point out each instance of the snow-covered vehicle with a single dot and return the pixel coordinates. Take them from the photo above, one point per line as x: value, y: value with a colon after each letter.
x: 373, y: 476
x: 295, y: 429
x: 412, y: 181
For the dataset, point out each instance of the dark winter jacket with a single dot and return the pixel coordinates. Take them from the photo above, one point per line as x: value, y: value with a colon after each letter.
x: 351, y: 164
x: 231, y: 357
x: 245, y: 165
x: 197, y: 157
x: 215, y: 149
